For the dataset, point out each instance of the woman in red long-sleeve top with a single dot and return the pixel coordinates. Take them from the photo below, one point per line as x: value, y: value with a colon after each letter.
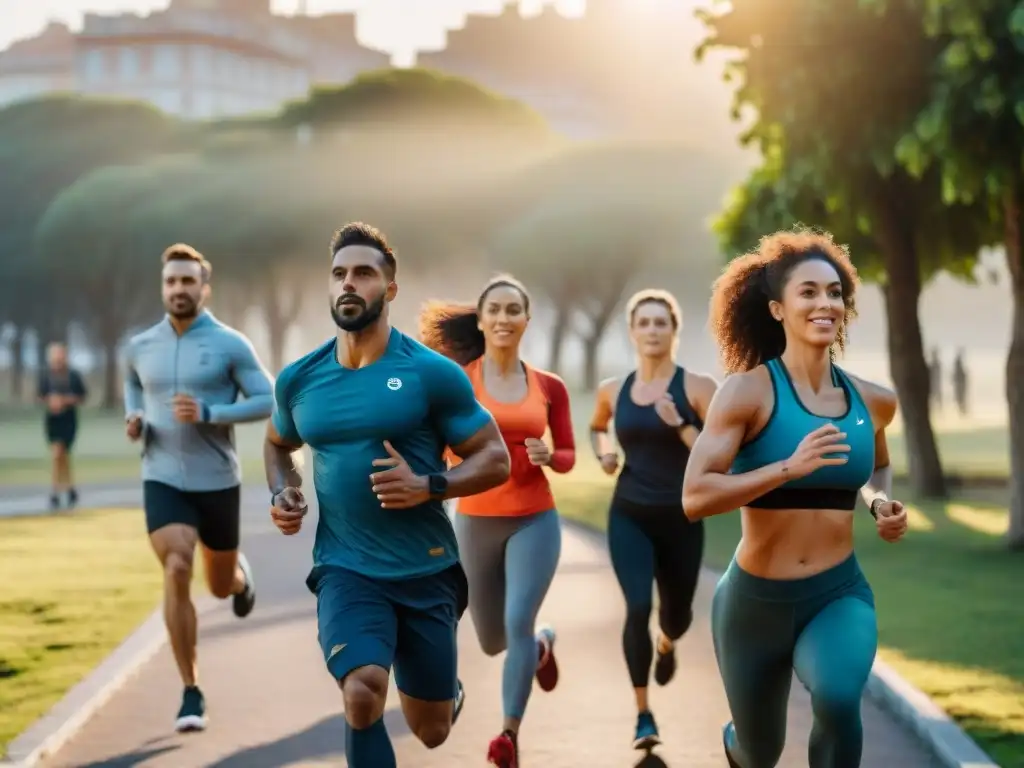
x: 509, y: 537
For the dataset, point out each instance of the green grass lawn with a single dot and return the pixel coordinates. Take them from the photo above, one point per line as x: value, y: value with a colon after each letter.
x: 73, y: 588
x: 948, y: 597
x: 102, y: 453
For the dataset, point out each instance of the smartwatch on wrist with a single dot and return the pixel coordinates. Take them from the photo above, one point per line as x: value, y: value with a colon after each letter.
x: 437, y: 486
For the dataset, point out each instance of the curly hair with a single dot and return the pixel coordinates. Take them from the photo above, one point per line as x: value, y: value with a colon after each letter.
x: 453, y: 329
x: 654, y: 296
x: 740, y: 319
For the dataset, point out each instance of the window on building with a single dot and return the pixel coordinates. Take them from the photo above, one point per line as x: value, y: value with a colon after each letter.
x: 167, y: 61
x: 92, y: 65
x: 128, y: 65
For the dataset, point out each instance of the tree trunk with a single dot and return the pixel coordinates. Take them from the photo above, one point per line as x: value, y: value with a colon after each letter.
x: 111, y: 380
x: 1015, y: 365
x: 18, y: 364
x: 591, y: 343
x: 558, y: 333
x: 277, y: 329
x: 280, y: 314
x: 907, y: 362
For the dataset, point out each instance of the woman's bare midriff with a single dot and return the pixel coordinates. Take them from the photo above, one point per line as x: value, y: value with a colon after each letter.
x: 794, y: 543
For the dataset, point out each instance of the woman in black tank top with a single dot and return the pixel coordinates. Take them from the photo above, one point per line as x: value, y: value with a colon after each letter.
x: 658, y: 411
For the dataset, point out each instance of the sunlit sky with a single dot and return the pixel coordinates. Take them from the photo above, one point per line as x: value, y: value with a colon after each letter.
x: 397, y: 26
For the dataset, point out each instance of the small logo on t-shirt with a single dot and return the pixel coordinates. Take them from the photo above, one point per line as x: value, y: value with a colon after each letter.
x: 394, y: 384
x: 436, y: 551
x: 859, y: 422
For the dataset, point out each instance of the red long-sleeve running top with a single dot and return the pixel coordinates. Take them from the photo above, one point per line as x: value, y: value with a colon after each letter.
x: 545, y: 407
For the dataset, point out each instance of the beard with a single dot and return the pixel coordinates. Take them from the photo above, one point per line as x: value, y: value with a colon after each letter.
x: 183, y: 307
x: 367, y: 316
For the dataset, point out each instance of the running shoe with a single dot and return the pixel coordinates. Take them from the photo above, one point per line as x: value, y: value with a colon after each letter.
x: 665, y: 666
x: 646, y: 732
x: 728, y: 736
x: 547, y: 665
x: 72, y: 498
x: 503, y: 751
x: 460, y: 699
x: 243, y: 602
x: 192, y: 714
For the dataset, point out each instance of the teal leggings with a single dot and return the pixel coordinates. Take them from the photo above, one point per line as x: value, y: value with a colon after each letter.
x: 823, y: 627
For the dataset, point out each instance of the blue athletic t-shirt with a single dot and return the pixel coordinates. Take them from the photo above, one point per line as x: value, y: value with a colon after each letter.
x: 418, y: 400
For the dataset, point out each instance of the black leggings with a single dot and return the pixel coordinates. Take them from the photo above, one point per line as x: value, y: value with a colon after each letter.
x: 653, y: 545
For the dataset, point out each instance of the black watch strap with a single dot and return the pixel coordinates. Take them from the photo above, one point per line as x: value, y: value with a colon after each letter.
x: 437, y: 485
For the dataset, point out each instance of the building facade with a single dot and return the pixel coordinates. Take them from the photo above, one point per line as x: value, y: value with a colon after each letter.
x: 43, y: 64
x: 198, y: 59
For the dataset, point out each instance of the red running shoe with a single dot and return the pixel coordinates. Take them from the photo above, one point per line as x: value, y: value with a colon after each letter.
x: 547, y: 665
x: 503, y: 752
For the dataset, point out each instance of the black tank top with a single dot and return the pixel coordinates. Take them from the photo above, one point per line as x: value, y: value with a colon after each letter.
x: 654, y: 455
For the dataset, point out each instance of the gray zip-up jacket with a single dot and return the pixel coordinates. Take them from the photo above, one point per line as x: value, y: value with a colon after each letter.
x: 213, y: 364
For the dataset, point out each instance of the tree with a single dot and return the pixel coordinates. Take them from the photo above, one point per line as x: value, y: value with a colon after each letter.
x: 45, y: 145
x: 414, y: 97
x: 972, y: 131
x: 89, y: 239
x: 253, y: 218
x: 681, y: 185
x: 831, y: 132
x: 584, y: 253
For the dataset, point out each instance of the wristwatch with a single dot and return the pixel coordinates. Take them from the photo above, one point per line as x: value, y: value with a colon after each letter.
x: 875, y: 504
x: 437, y: 486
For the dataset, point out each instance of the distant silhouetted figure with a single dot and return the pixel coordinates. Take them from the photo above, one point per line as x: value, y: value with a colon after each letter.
x: 61, y: 391
x: 935, y: 374
x: 960, y: 382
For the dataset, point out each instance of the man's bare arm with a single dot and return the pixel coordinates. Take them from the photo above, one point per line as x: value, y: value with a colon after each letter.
x: 485, y: 463
x: 280, y: 460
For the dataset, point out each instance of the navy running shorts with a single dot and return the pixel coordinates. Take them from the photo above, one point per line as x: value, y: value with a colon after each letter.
x: 410, y: 625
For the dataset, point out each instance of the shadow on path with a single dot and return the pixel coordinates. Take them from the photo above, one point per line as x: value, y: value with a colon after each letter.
x: 650, y: 760
x: 131, y: 759
x: 325, y: 739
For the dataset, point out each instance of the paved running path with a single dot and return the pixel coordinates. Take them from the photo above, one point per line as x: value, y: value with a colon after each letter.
x: 31, y: 501
x: 272, y: 704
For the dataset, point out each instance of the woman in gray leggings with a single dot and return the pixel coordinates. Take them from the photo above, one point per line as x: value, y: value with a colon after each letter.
x: 509, y: 537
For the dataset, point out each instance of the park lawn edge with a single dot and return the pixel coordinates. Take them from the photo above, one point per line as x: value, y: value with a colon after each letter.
x: 69, y: 640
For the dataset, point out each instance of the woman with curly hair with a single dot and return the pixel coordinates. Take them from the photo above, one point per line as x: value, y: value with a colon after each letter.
x: 792, y: 440
x: 509, y: 537
x: 658, y: 410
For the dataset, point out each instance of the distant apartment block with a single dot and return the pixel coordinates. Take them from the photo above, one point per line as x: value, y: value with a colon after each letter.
x: 199, y: 59
x: 625, y: 68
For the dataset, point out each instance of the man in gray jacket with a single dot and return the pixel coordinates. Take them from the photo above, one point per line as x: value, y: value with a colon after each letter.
x: 182, y: 380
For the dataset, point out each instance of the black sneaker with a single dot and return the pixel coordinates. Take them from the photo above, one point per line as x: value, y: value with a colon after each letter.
x: 665, y: 666
x: 192, y: 715
x: 243, y: 602
x: 460, y: 699
x: 72, y: 498
x: 54, y: 502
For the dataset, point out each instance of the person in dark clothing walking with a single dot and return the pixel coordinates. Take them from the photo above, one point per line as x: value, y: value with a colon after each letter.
x: 960, y: 382
x: 61, y: 391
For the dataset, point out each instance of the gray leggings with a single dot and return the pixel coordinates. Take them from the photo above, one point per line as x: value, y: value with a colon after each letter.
x: 510, y: 563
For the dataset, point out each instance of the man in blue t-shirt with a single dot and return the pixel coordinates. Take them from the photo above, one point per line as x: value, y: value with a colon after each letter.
x: 378, y: 409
